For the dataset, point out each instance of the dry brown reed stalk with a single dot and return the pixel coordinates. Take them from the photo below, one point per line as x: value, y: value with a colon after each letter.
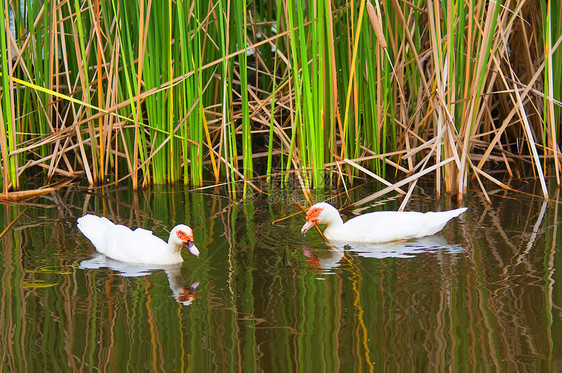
x: 30, y: 193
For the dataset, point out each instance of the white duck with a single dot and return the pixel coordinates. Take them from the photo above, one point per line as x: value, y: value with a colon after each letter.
x: 139, y: 246
x: 377, y: 227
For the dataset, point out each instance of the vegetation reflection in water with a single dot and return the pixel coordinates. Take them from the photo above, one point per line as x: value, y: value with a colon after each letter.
x: 264, y: 297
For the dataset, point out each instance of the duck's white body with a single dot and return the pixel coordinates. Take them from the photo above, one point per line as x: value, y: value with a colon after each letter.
x: 377, y: 227
x: 139, y: 246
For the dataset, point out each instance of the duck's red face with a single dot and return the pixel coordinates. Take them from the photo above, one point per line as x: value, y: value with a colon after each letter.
x: 311, y: 218
x: 186, y: 237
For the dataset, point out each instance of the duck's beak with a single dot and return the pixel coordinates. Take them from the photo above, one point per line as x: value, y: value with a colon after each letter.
x: 309, y: 224
x: 192, y: 248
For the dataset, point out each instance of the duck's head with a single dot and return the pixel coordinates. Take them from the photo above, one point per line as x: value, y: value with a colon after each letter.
x: 183, y: 235
x: 320, y: 213
x: 186, y: 295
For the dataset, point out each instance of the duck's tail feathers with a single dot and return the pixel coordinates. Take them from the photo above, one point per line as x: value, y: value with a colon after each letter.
x: 457, y: 212
x: 94, y: 227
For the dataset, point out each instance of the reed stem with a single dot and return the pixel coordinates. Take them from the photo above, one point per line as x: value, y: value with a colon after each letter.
x: 199, y: 92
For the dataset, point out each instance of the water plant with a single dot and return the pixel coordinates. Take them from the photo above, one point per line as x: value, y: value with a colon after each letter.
x: 212, y: 91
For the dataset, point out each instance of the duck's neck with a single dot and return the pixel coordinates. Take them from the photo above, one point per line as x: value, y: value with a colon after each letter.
x: 333, y: 220
x: 174, y: 251
x: 173, y: 247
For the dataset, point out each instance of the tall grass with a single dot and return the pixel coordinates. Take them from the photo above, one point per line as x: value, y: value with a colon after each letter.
x: 206, y: 92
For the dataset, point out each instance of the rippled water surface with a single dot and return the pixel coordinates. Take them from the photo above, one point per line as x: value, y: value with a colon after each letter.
x: 486, y: 293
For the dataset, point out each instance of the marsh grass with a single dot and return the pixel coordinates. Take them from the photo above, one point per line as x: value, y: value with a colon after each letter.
x: 214, y: 91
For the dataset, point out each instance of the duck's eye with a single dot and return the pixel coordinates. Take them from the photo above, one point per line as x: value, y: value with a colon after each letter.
x: 180, y: 233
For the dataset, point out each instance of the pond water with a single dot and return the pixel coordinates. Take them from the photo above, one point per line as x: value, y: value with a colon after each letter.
x: 485, y: 294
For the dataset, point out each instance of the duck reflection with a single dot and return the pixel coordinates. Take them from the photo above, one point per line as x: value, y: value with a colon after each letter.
x: 323, y: 259
x: 400, y: 249
x: 183, y: 294
x: 331, y: 258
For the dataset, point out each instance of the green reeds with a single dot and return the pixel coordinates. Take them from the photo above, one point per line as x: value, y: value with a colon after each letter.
x: 240, y: 21
x: 7, y: 132
x: 203, y: 91
x: 552, y: 15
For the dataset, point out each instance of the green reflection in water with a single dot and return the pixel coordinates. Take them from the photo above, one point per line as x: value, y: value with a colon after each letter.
x: 269, y: 299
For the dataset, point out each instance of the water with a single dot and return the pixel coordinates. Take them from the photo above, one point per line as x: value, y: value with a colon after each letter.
x: 483, y: 295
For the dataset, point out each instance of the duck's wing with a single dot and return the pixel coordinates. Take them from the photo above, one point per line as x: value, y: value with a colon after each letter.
x: 386, y: 226
x: 383, y: 226
x: 132, y: 246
